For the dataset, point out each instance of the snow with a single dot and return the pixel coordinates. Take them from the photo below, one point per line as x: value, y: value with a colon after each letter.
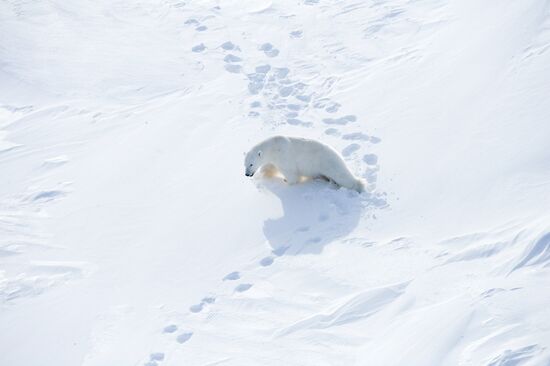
x: 130, y: 235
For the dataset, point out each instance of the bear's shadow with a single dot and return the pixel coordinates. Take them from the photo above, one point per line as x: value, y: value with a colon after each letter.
x: 314, y: 214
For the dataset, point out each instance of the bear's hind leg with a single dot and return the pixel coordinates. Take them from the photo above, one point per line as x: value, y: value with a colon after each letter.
x: 354, y: 184
x: 323, y: 177
x: 329, y: 180
x: 346, y: 181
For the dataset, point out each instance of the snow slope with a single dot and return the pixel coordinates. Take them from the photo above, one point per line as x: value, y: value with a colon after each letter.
x: 129, y: 234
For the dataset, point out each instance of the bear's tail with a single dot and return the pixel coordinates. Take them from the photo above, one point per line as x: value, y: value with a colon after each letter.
x: 360, y: 185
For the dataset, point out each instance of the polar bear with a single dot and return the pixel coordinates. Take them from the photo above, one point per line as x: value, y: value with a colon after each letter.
x: 296, y: 158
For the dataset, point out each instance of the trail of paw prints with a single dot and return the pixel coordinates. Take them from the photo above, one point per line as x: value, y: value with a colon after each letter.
x: 278, y: 96
x: 183, y: 335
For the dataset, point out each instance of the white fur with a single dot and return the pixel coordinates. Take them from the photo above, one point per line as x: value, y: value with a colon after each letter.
x: 297, y: 158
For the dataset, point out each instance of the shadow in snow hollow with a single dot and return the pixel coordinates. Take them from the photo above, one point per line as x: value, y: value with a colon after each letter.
x: 315, y: 213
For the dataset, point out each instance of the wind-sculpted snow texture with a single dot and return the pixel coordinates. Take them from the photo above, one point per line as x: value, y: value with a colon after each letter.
x: 129, y: 234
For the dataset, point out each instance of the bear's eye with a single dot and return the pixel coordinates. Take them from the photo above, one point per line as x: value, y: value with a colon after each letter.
x: 250, y: 164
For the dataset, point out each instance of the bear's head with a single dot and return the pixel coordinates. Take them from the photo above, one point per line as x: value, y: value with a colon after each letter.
x: 252, y: 162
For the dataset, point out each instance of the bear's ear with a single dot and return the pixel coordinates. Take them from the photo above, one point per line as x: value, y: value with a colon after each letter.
x: 260, y: 153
